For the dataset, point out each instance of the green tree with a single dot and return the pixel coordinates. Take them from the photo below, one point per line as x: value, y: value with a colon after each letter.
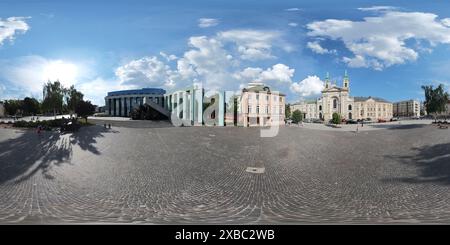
x: 85, y: 109
x: 53, y: 94
x: 297, y: 116
x: 435, y: 99
x: 287, y: 110
x: 73, y: 98
x: 30, y: 106
x: 336, y: 118
x: 13, y: 107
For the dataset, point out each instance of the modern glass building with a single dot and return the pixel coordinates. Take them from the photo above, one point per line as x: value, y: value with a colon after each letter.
x: 121, y: 103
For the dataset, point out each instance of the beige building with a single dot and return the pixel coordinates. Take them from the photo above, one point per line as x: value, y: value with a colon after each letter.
x: 259, y: 106
x: 336, y: 99
x: 407, y: 108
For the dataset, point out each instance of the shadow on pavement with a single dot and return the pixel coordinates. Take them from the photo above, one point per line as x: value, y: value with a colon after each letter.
x: 22, y: 157
x: 432, y: 163
x: 133, y: 123
x: 399, y: 126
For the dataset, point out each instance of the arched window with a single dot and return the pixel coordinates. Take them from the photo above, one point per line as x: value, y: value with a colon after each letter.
x: 334, y: 103
x: 349, y: 107
x: 320, y: 107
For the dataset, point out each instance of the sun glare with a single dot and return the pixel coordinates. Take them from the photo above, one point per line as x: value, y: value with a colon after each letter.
x: 65, y: 72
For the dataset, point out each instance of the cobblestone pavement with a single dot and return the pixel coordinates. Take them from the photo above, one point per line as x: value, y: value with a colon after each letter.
x: 198, y: 175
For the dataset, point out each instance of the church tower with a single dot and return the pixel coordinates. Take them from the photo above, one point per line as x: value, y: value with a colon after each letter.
x: 346, y: 81
x: 327, y: 81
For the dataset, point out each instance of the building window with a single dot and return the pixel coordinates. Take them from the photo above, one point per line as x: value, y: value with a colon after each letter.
x: 267, y: 110
x: 249, y: 109
x: 349, y: 107
x: 257, y: 109
x: 257, y: 97
x: 334, y: 103
x: 320, y: 107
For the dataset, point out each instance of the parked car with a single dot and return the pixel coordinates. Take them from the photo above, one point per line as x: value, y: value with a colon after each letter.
x: 317, y: 121
x: 351, y: 121
x: 394, y: 119
x: 381, y: 120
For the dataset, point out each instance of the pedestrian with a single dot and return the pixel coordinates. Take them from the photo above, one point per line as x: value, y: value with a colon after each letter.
x: 38, y: 130
x: 109, y: 125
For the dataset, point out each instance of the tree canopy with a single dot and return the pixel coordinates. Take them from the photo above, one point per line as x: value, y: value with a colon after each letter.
x: 297, y: 116
x: 435, y: 99
x: 336, y: 118
x: 85, y: 109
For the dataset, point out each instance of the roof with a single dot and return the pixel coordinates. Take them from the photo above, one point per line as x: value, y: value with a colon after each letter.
x: 377, y: 99
x: 138, y: 91
x: 259, y: 88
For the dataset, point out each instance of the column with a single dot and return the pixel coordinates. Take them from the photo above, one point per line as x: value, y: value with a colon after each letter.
x: 116, y: 107
x: 109, y: 107
x: 185, y: 105
x: 199, y: 108
x: 120, y: 107
x: 131, y: 105
x: 221, y: 112
x: 179, y: 100
x: 191, y: 106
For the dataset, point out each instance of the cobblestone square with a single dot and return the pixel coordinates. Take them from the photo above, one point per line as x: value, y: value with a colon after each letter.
x: 190, y: 175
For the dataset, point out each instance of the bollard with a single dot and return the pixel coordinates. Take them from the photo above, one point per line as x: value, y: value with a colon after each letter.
x: 109, y: 125
x: 105, y: 125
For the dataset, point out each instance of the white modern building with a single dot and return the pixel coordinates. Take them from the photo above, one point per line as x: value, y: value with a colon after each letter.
x: 121, y: 103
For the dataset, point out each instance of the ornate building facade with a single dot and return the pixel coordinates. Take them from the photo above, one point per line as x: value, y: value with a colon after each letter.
x: 337, y: 99
x: 259, y: 106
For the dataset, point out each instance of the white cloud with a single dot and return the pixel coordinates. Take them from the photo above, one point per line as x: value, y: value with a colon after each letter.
x: 381, y: 41
x: 29, y: 73
x: 251, y: 44
x: 207, y: 22
x: 210, y: 61
x: 272, y: 75
x: 292, y: 9
x: 378, y: 8
x: 145, y: 72
x: 278, y: 72
x: 96, y: 89
x: 310, y: 86
x: 12, y: 26
x: 292, y: 24
x: 170, y: 57
x: 446, y: 22
x: 317, y: 48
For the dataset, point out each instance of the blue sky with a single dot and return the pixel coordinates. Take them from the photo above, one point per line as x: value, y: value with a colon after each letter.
x: 389, y: 48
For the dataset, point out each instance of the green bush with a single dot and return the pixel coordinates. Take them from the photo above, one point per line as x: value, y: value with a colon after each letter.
x: 336, y: 118
x: 297, y: 116
x: 46, y: 125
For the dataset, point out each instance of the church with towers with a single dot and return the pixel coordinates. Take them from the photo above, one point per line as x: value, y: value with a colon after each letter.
x: 337, y: 99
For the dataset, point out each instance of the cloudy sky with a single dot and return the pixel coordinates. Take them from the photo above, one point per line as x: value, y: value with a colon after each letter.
x: 388, y: 48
